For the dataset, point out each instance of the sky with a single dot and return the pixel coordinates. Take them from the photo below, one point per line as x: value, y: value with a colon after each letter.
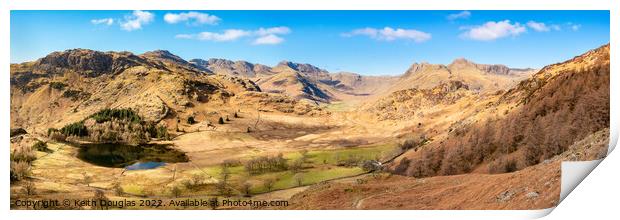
x: 365, y: 42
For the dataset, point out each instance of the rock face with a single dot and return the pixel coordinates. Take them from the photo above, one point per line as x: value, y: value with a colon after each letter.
x: 302, y: 67
x: 235, y: 68
x: 164, y: 55
x: 88, y: 62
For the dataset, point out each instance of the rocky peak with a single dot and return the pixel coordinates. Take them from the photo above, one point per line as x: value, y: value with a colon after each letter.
x: 496, y: 69
x: 163, y: 55
x: 423, y: 66
x: 260, y: 68
x: 88, y: 62
x: 222, y: 63
x: 302, y: 67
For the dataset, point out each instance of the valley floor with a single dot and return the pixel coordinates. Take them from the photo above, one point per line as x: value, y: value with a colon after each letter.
x: 322, y: 182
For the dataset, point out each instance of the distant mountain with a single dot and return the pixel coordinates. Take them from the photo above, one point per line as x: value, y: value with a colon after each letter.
x: 299, y: 80
x: 235, y: 68
x: 479, y: 77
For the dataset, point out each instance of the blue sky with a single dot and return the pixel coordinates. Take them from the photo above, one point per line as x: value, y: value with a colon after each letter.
x: 366, y: 42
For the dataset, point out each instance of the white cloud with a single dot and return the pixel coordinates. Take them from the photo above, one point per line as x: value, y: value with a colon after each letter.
x: 494, y: 30
x: 270, y: 39
x: 136, y: 20
x: 227, y: 35
x: 262, y: 36
x: 556, y: 27
x: 390, y: 34
x: 105, y: 21
x: 273, y: 30
x: 460, y: 15
x: 575, y: 27
x: 192, y: 17
x: 538, y: 26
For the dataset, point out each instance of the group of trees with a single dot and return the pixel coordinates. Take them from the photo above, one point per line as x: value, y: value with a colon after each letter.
x: 265, y: 164
x: 124, y: 114
x: 111, y: 126
x: 553, y: 115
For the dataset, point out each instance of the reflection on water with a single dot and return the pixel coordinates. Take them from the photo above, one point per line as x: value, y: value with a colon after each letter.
x: 140, y: 157
x: 144, y: 165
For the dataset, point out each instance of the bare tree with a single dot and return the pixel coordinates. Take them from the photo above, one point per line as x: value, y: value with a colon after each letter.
x: 268, y: 183
x: 118, y: 190
x: 86, y: 179
x: 299, y: 179
x: 29, y: 188
x: 175, y: 191
x: 246, y: 188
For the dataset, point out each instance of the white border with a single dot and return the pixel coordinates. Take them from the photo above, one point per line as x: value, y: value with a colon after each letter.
x: 6, y: 6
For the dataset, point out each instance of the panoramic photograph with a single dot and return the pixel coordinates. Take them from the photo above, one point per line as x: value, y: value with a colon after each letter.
x: 304, y: 110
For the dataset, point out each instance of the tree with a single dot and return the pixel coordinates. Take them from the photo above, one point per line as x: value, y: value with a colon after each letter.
x: 246, y: 188
x: 100, y: 199
x: 299, y: 179
x: 175, y: 191
x: 118, y: 189
x: 236, y: 116
x: 198, y: 179
x: 29, y: 188
x: 268, y: 183
x: 220, y: 121
x: 222, y: 185
x: 86, y: 179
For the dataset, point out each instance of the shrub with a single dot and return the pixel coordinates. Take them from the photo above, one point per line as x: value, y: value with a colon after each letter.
x: 269, y: 183
x: 503, y: 165
x: 175, y: 191
x: 299, y: 179
x: 246, y: 188
x: 19, y: 170
x: 23, y: 153
x: 29, y: 188
x: 41, y: 146
x: 191, y: 120
x: 75, y: 95
x: 220, y: 121
x: 50, y: 131
x: 159, y: 132
x: 58, y: 85
x: 118, y: 189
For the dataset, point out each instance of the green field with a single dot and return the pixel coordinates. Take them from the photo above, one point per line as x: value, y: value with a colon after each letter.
x: 320, y: 165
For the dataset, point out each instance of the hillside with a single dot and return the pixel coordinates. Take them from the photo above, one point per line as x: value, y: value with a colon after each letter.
x: 68, y: 86
x: 568, y: 101
x: 535, y: 187
x: 411, y: 103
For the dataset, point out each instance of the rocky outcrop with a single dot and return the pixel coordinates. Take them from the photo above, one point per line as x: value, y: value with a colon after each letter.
x: 89, y: 63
